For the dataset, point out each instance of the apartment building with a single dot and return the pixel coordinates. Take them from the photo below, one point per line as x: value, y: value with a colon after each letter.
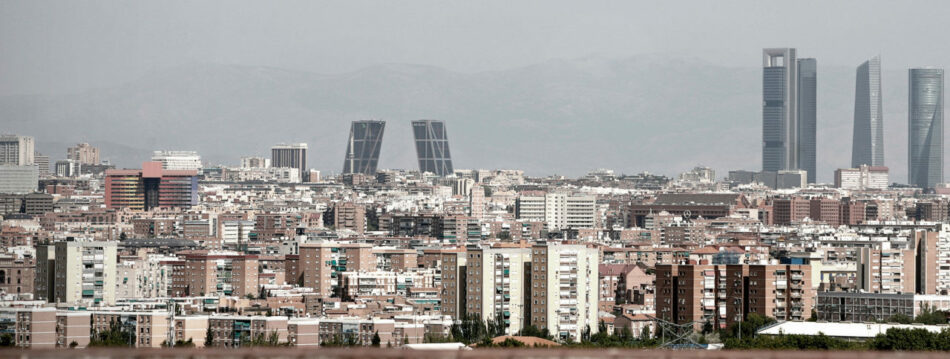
x: 396, y: 260
x: 886, y: 270
x: 319, y: 264
x: 564, y: 281
x: 84, y: 272
x: 558, y: 210
x: 724, y: 294
x: 236, y: 331
x: 381, y: 283
x: 215, y: 273
x: 151, y: 328
x: 496, y: 284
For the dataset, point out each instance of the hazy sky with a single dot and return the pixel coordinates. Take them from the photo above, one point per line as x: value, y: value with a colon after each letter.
x: 57, y: 46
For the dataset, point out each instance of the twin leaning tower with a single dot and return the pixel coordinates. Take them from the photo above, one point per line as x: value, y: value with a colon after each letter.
x: 366, y: 138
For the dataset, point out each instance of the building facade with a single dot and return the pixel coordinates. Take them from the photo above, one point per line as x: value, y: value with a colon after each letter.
x: 432, y: 147
x: 362, y: 148
x: 867, y: 146
x: 925, y: 128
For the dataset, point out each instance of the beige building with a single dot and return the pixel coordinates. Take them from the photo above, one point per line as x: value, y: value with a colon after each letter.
x: 84, y: 153
x: 495, y: 284
x: 320, y: 264
x: 84, y: 272
x: 564, y: 283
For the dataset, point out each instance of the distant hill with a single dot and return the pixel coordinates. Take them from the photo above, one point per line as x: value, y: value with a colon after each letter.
x: 662, y: 115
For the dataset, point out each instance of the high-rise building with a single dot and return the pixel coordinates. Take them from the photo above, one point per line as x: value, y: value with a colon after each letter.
x: 85, y: 272
x: 292, y: 155
x: 779, y: 109
x: 151, y: 187
x: 807, y: 116
x: 868, y: 144
x: 925, y: 127
x: 432, y: 147
x: 496, y: 288
x: 42, y: 161
x: 84, y: 153
x: 178, y: 160
x: 725, y: 294
x: 362, y: 148
x: 16, y: 150
x: 789, y: 112
x: 564, y: 289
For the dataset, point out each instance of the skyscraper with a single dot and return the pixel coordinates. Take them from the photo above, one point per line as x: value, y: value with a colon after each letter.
x: 868, y: 143
x: 779, y: 109
x: 925, y: 127
x: 807, y: 116
x: 293, y: 155
x: 362, y: 149
x: 432, y: 147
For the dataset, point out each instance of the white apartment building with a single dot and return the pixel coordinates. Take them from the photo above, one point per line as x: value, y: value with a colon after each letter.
x: 148, y: 277
x: 178, y: 160
x: 233, y: 232
x: 564, y: 295
x: 558, y: 210
x: 495, y: 287
x: 865, y: 177
x: 85, y: 272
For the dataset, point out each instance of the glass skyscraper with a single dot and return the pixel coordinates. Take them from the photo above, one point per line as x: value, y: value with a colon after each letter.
x: 779, y: 109
x: 362, y: 149
x: 925, y: 127
x: 868, y: 143
x: 432, y: 147
x: 807, y: 116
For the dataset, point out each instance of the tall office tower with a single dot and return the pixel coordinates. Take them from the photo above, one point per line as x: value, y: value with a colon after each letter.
x: 495, y: 285
x: 564, y: 289
x: 868, y: 144
x: 807, y: 116
x: 925, y: 127
x: 178, y: 160
x: 362, y: 149
x: 432, y: 147
x: 779, y: 110
x: 292, y: 155
x: 84, y: 153
x: 151, y: 187
x: 16, y: 150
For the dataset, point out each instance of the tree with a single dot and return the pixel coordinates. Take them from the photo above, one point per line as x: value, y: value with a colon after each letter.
x: 900, y: 318
x: 376, y: 339
x: 115, y: 336
x: 73, y: 344
x: 209, y: 338
x: 123, y: 236
x: 747, y: 328
x: 7, y: 340
x: 930, y: 316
